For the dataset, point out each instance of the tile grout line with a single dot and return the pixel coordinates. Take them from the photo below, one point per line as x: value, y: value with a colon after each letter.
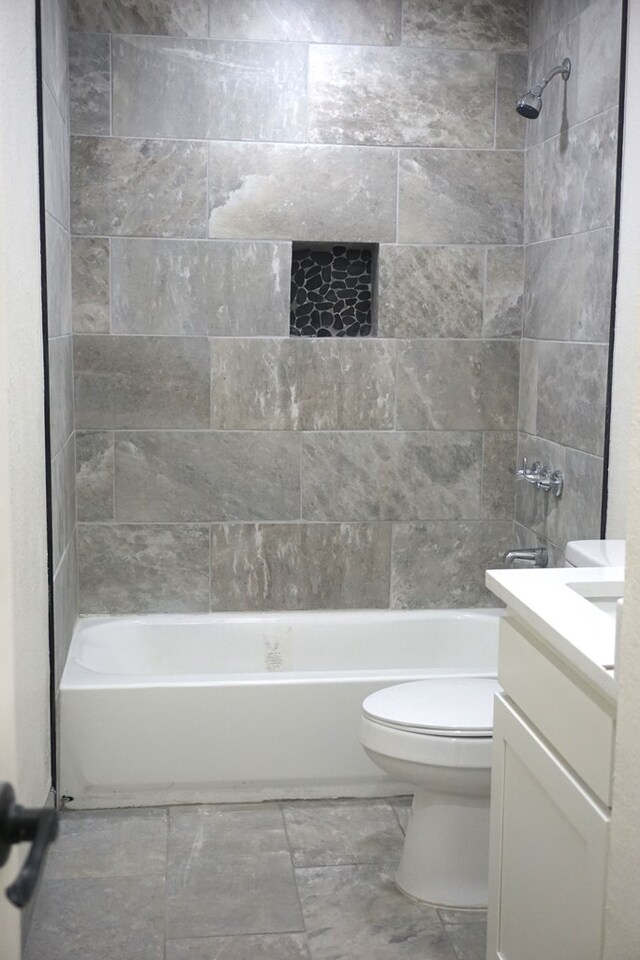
x: 305, y: 930
x: 166, y: 882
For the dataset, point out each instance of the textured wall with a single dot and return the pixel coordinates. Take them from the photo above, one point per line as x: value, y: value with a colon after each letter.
x: 569, y: 215
x: 58, y: 253
x: 222, y: 464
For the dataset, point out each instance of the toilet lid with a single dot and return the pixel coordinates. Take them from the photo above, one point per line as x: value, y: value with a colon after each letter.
x: 446, y: 707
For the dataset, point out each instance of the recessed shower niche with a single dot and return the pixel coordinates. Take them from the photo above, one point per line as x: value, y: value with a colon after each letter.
x: 332, y: 290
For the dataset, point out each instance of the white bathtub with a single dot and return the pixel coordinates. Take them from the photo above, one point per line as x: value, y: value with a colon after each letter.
x: 240, y: 707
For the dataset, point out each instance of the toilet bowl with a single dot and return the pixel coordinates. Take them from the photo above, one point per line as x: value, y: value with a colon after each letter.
x: 436, y: 734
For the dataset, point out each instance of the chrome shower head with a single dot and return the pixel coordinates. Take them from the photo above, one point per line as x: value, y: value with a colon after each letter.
x: 530, y: 104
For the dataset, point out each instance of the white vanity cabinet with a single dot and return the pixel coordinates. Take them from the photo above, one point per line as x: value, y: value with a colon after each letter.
x: 550, y: 797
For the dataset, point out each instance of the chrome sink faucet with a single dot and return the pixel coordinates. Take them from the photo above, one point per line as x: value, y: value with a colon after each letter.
x: 528, y: 557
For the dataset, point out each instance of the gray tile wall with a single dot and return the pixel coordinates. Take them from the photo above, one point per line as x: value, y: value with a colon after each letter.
x: 570, y: 171
x: 222, y: 465
x: 56, y: 106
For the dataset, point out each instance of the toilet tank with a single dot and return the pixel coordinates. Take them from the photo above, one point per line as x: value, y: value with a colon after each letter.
x: 595, y: 553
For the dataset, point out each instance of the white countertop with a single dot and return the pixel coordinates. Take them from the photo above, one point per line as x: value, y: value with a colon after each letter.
x: 580, y: 633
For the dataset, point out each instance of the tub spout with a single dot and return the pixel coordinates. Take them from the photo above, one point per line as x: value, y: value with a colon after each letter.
x: 528, y: 557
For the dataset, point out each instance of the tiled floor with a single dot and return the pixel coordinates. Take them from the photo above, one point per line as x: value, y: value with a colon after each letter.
x: 308, y: 880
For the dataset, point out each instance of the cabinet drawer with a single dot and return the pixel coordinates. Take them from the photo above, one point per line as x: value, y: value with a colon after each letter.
x: 573, y: 719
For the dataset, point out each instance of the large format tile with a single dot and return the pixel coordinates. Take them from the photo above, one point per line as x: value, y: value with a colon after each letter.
x: 81, y: 919
x: 143, y: 568
x: 140, y: 382
x: 90, y: 83
x: 525, y: 538
x: 469, y: 940
x: 549, y: 16
x: 572, y: 387
x: 271, y: 946
x: 401, y: 807
x: 299, y: 566
x: 600, y: 42
x: 511, y: 128
x: 189, y: 18
x: 199, y: 476
x: 56, y: 160
x: 335, y: 833
x: 504, y: 292
x: 442, y: 564
x: 315, y: 21
x: 430, y: 291
x: 394, y: 476
x: 94, y: 475
x: 396, y: 95
x: 117, y: 843
x: 357, y: 912
x: 61, y: 418
x: 229, y: 872
x: 557, y: 202
x: 528, y: 392
x: 457, y: 385
x: 302, y: 192
x: 58, y: 249
x: 53, y: 38
x: 460, y: 196
x: 138, y: 187
x: 63, y: 499
x: 90, y: 285
x: 201, y: 287
x: 300, y: 384
x: 499, y: 451
x: 576, y: 514
x: 89, y: 15
x: 209, y: 89
x: 465, y: 24
x: 568, y: 287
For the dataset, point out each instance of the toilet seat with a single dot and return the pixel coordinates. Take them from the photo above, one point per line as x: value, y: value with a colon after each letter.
x: 458, y: 707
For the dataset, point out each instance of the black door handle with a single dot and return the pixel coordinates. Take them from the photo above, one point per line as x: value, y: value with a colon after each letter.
x: 20, y: 825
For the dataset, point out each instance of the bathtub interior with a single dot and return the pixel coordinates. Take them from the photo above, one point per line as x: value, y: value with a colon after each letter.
x: 166, y: 648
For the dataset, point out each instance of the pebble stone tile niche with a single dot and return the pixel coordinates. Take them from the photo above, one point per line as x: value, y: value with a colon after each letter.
x: 332, y: 290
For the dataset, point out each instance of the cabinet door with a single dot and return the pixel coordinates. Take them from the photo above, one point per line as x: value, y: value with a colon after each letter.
x: 548, y: 852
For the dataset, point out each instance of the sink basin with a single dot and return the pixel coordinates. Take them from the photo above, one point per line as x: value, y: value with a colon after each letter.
x: 604, y: 595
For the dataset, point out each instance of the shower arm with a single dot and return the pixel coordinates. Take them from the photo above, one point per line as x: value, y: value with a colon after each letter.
x: 564, y: 68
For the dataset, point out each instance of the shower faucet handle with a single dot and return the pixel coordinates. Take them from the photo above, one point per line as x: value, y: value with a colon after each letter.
x: 542, y: 477
x: 530, y: 474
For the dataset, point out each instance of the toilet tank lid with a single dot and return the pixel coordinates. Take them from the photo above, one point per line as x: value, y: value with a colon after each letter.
x: 448, y: 706
x: 595, y: 553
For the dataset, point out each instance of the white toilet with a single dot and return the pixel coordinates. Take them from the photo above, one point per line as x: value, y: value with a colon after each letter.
x: 595, y: 553
x: 437, y: 734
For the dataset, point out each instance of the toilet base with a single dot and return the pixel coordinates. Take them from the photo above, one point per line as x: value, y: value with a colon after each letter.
x: 446, y: 850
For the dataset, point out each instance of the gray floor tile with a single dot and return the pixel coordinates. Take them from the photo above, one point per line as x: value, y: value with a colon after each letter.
x: 229, y: 872
x: 450, y: 915
x: 91, y: 919
x: 127, y: 843
x: 469, y: 940
x: 402, y: 808
x: 333, y: 833
x: 284, y: 946
x: 356, y: 913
